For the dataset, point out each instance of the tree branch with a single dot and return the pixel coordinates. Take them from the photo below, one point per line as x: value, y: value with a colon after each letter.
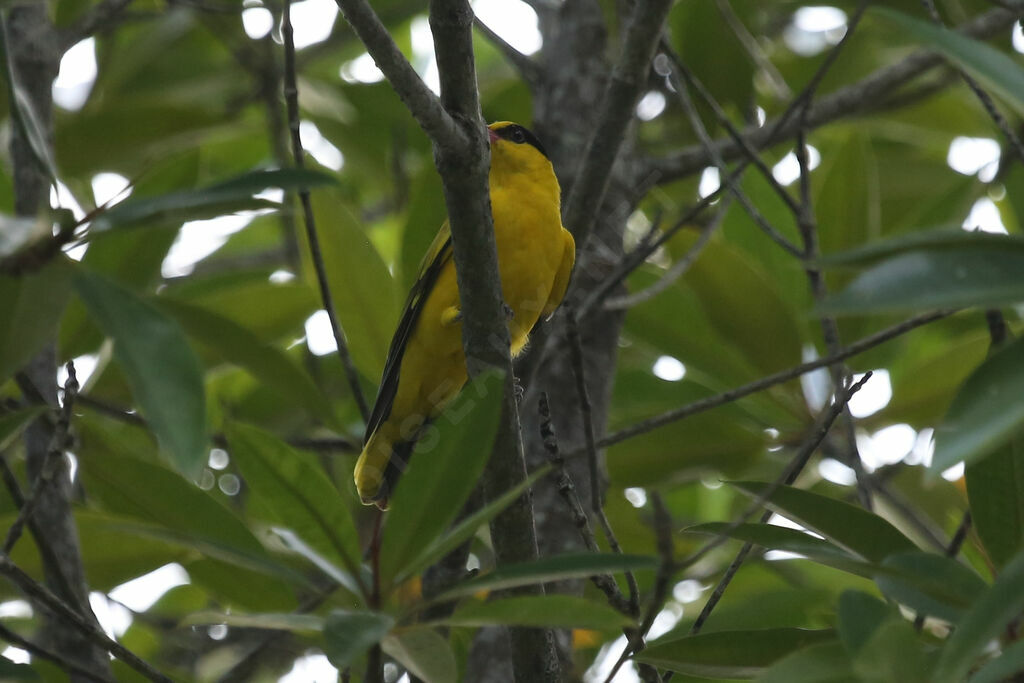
x: 97, y: 18
x: 526, y: 67
x: 623, y: 91
x: 862, y: 97
x: 37, y: 650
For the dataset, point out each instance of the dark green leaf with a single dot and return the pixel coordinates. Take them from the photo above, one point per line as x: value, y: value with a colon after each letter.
x: 468, y: 526
x: 998, y: 72
x: 295, y: 492
x: 214, y: 200
x: 567, y: 566
x: 783, y: 538
x: 986, y: 412
x: 933, y: 270
x: 860, y: 615
x: 930, y: 584
x: 995, y: 488
x: 349, y: 634
x: 445, y: 468
x: 556, y: 611
x: 893, y: 654
x: 1003, y: 667
x: 237, y: 345
x: 984, y: 621
x: 160, y: 366
x: 12, y: 423
x: 826, y: 662
x: 730, y: 654
x: 424, y: 653
x: 846, y: 525
x: 30, y: 306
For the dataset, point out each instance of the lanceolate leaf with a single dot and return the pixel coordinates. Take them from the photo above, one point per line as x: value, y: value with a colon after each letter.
x: 1002, y: 668
x: 446, y: 465
x: 287, y: 621
x: 348, y: 634
x: 557, y: 611
x: 844, y: 524
x: 730, y: 654
x: 931, y: 584
x: 986, y: 412
x: 424, y: 653
x: 225, y: 197
x: 161, y: 368
x: 30, y: 306
x: 997, y: 71
x: 995, y: 488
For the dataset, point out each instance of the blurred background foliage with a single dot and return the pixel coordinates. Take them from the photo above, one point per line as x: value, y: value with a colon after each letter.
x: 186, y: 96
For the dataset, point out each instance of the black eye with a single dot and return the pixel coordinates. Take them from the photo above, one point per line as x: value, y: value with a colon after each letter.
x: 518, y: 135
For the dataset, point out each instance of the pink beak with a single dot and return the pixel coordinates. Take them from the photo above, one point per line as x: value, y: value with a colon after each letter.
x: 492, y: 136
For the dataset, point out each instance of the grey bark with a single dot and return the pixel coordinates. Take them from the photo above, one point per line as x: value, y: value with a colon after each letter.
x: 35, y: 57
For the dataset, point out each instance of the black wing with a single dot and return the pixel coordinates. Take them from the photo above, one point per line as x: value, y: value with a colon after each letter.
x: 413, y: 306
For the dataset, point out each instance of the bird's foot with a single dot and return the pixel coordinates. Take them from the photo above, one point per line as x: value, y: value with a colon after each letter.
x: 517, y: 389
x: 507, y: 310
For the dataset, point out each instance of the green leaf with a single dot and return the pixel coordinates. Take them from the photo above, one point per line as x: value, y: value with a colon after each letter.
x: 12, y: 423
x: 347, y: 634
x: 287, y: 621
x: 214, y: 200
x: 730, y: 654
x: 846, y: 525
x: 567, y: 566
x: 160, y: 366
x: 556, y: 611
x: 930, y: 584
x: 465, y: 528
x: 933, y: 270
x: 1003, y: 667
x: 424, y: 653
x: 782, y: 538
x: 240, y: 346
x: 366, y: 298
x: 30, y: 306
x: 823, y: 663
x: 893, y: 654
x: 445, y: 467
x: 998, y: 72
x: 292, y: 542
x: 295, y: 492
x: 995, y: 488
x: 860, y: 615
x: 997, y: 607
x: 986, y: 412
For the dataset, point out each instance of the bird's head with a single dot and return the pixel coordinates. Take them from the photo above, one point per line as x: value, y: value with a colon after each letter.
x: 514, y: 149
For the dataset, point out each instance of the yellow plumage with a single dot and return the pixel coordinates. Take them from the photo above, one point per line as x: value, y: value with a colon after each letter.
x: 426, y: 367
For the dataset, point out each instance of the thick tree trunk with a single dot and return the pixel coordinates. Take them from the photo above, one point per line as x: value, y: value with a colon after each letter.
x: 35, y: 57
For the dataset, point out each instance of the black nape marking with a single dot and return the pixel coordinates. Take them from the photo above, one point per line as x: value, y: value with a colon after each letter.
x: 519, y: 135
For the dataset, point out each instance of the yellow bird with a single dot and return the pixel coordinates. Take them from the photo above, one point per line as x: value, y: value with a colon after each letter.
x: 426, y: 367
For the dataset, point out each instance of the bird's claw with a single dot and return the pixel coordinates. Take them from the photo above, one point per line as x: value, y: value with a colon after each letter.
x: 507, y: 310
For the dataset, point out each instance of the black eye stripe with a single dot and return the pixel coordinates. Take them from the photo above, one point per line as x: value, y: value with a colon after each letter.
x: 519, y: 135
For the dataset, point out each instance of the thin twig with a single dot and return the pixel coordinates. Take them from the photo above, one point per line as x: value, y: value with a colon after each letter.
x: 37, y: 650
x: 754, y: 50
x: 43, y: 596
x: 587, y: 418
x: 291, y: 96
x: 788, y: 476
x: 527, y: 68
x: 863, y: 96
x: 58, y: 442
x: 604, y: 582
x: 769, y: 381
x: 982, y: 95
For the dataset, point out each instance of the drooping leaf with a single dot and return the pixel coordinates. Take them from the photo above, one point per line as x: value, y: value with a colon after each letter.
x: 424, y: 653
x: 860, y: 615
x: 160, y: 366
x: 445, y: 467
x: 931, y: 270
x: 931, y: 584
x: 295, y: 492
x: 986, y: 413
x: 237, y: 345
x: 556, y: 611
x: 730, y: 654
x: 214, y: 200
x: 466, y: 527
x: 844, y: 524
x: 997, y: 71
x: 288, y: 621
x: 995, y: 488
x: 782, y: 538
x: 567, y: 566
x: 349, y: 634
x: 985, y: 620
x: 893, y: 654
x: 826, y: 662
x: 30, y: 306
